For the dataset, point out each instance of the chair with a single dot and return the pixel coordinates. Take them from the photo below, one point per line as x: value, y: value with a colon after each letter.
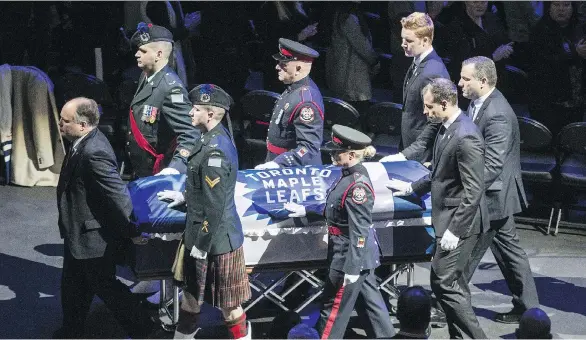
x: 514, y: 85
x: 538, y: 162
x: 337, y: 111
x: 257, y: 108
x: 572, y: 147
x: 384, y: 125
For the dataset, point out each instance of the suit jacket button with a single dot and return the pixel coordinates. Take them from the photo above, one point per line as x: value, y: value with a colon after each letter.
x: 127, y: 143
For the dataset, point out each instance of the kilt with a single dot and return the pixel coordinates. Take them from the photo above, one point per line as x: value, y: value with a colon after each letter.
x: 219, y: 280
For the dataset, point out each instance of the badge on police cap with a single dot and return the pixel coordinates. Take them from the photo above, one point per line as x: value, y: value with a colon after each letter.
x: 204, y: 98
x: 307, y: 115
x: 359, y: 195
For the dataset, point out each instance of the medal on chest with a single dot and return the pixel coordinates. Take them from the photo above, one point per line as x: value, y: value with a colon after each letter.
x: 149, y: 114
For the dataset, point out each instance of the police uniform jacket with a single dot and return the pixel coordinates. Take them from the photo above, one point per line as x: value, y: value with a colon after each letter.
x: 161, y: 111
x: 295, y: 133
x: 213, y: 224
x: 349, y: 209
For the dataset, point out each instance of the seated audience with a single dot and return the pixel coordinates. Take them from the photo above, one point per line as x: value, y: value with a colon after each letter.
x: 414, y: 313
x: 555, y: 77
x: 534, y: 324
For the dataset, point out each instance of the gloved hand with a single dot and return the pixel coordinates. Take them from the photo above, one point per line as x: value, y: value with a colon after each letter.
x: 503, y: 51
x: 449, y: 241
x: 398, y: 157
x: 350, y: 279
x: 168, y: 171
x: 402, y: 188
x: 198, y: 254
x: 142, y: 239
x: 267, y: 165
x: 297, y: 210
x: 174, y: 197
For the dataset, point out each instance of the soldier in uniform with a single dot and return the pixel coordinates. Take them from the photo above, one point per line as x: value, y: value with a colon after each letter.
x: 213, y: 259
x: 353, y: 249
x: 160, y: 131
x: 295, y: 132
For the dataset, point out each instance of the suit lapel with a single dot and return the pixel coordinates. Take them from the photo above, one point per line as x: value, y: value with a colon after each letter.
x: 480, y: 113
x: 418, y: 70
x: 73, y: 160
x: 443, y: 142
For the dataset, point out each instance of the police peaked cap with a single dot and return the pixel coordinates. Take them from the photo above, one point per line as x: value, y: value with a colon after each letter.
x: 290, y: 50
x: 210, y: 94
x: 345, y: 138
x: 148, y: 33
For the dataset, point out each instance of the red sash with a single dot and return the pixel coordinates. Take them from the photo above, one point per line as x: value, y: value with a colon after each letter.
x: 145, y: 145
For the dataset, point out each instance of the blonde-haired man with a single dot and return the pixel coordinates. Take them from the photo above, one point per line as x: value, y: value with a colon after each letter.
x: 416, y: 41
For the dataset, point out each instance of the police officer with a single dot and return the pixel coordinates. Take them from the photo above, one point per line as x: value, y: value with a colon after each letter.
x: 295, y: 132
x: 160, y: 131
x: 353, y: 250
x: 213, y: 255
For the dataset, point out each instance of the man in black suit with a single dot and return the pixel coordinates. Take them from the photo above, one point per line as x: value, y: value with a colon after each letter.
x: 459, y: 212
x: 505, y: 194
x: 94, y: 221
x: 417, y: 38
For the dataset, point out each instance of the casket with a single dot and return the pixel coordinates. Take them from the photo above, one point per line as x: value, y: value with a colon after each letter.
x: 272, y: 239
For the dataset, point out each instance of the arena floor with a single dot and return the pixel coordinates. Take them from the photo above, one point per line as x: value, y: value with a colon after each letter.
x: 31, y: 261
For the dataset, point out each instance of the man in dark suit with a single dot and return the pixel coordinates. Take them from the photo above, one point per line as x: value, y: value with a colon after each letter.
x: 160, y: 131
x: 505, y: 194
x: 94, y: 221
x: 459, y: 212
x: 417, y: 38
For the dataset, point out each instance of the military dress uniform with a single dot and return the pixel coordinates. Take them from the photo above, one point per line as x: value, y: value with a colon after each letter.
x: 295, y: 132
x: 213, y: 226
x: 160, y: 132
x: 353, y: 248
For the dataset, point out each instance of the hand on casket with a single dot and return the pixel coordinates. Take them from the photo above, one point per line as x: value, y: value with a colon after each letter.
x: 267, y: 165
x: 297, y: 210
x: 449, y: 241
x: 398, y: 157
x: 401, y: 188
x: 168, y: 171
x: 174, y: 197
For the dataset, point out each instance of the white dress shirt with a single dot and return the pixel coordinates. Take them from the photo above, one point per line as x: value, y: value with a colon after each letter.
x: 476, y: 104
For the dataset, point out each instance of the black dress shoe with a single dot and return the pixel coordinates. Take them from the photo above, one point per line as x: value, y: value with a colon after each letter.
x: 508, y: 317
x: 438, y: 318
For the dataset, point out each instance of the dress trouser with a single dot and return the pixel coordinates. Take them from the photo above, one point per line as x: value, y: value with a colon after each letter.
x: 451, y: 289
x: 339, y: 301
x: 81, y: 280
x: 512, y: 260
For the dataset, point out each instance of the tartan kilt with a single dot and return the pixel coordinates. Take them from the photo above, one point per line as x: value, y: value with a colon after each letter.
x: 219, y: 280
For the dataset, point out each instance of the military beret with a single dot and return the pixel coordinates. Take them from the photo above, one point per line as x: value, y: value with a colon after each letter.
x: 148, y: 33
x: 290, y: 50
x: 210, y: 94
x: 345, y: 138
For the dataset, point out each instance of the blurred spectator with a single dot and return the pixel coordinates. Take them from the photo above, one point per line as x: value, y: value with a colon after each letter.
x: 281, y: 19
x: 350, y: 60
x: 534, y: 324
x: 303, y: 331
x: 283, y: 323
x: 475, y: 31
x: 414, y: 313
x: 221, y: 50
x: 520, y: 18
x: 556, y: 75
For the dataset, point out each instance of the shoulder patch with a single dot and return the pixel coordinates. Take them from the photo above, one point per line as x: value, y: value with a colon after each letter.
x: 215, y: 162
x: 301, y: 152
x: 212, y: 182
x: 184, y: 152
x: 307, y: 115
x: 176, y: 90
x: 359, y: 195
x: 176, y: 97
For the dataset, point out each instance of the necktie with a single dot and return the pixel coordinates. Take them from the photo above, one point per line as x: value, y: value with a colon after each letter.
x: 442, y: 131
x: 472, y: 111
x: 411, y: 71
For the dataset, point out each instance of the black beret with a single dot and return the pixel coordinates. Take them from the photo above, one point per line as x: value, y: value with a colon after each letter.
x: 148, y: 33
x: 345, y: 138
x: 290, y: 50
x: 210, y: 94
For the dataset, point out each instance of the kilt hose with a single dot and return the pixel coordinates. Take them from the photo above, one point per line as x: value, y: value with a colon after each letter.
x: 219, y: 280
